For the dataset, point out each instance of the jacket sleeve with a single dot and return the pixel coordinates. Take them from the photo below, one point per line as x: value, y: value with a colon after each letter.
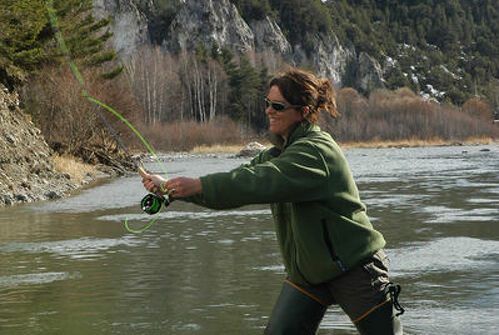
x: 298, y: 174
x: 199, y: 199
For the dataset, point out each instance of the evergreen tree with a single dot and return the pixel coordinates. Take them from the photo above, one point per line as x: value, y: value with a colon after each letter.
x: 85, y: 36
x: 24, y: 30
x: 27, y: 39
x: 253, y: 9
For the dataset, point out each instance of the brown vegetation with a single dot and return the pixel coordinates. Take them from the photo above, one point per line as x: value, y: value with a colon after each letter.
x: 186, y: 135
x: 416, y: 142
x: 232, y: 149
x: 56, y: 103
x: 403, y: 115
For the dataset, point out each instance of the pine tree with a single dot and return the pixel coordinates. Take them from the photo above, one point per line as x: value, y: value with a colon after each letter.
x: 27, y: 39
x: 85, y: 36
x: 24, y: 29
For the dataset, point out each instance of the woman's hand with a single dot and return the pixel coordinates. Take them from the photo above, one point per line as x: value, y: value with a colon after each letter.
x: 154, y: 183
x: 177, y: 187
x: 183, y: 187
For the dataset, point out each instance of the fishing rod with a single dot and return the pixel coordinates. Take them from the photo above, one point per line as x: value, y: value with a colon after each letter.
x: 152, y: 203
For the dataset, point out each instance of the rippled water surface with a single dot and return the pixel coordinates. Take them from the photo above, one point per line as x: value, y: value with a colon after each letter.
x: 69, y: 266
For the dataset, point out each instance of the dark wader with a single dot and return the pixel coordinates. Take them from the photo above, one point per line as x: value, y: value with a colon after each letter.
x: 364, y: 293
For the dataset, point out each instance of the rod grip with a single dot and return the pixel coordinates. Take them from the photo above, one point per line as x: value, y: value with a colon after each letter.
x: 142, y: 172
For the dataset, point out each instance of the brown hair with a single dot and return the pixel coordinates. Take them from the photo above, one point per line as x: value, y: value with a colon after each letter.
x: 303, y: 88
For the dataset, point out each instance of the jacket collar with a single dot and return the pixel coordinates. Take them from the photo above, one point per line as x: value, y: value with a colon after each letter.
x: 300, y: 130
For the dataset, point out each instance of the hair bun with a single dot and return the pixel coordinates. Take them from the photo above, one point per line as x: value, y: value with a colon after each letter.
x: 326, y: 98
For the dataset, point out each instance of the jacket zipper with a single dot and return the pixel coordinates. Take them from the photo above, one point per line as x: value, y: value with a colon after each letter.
x: 330, y: 247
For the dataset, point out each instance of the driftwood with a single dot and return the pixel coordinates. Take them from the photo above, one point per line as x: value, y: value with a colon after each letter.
x: 113, y: 158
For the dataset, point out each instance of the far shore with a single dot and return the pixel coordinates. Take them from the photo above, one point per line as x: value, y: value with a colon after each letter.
x: 82, y: 173
x: 375, y: 144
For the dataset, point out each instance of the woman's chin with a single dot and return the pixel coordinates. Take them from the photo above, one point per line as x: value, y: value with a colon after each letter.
x: 274, y: 130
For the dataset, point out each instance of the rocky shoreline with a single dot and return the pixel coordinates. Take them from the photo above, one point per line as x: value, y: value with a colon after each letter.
x: 28, y: 172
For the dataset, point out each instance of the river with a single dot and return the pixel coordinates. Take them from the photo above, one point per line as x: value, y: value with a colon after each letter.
x: 70, y: 267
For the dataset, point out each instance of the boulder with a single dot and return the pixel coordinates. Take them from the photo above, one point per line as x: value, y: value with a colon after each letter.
x: 251, y: 149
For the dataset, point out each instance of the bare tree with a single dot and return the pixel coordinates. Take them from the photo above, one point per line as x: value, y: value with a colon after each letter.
x: 152, y: 74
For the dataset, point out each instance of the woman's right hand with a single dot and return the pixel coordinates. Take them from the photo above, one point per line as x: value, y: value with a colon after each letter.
x: 154, y: 183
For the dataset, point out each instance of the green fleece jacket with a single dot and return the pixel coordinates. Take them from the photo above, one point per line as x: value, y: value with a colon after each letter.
x: 321, y: 224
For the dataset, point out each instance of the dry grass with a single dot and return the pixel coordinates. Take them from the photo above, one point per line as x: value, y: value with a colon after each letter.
x: 216, y: 149
x: 76, y: 169
x: 225, y: 148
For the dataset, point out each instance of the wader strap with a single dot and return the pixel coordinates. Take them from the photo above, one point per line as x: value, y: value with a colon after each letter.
x: 370, y: 311
x: 302, y: 290
x: 394, y: 291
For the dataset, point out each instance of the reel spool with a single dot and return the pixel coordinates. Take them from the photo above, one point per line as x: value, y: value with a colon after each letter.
x: 152, y: 203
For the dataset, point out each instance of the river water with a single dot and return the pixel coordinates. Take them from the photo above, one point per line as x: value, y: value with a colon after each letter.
x: 70, y: 267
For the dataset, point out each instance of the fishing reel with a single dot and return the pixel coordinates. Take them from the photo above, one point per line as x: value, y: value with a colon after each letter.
x: 152, y: 203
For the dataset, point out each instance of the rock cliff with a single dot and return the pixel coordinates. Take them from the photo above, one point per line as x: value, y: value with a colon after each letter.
x: 218, y: 22
x: 209, y: 22
x: 369, y: 73
x: 129, y: 25
x: 268, y: 36
x: 328, y: 56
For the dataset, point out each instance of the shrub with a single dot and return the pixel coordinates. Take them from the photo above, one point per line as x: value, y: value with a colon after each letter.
x: 185, y: 135
x: 67, y: 119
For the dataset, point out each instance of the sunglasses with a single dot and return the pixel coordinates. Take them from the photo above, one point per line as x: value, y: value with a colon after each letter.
x: 279, y: 106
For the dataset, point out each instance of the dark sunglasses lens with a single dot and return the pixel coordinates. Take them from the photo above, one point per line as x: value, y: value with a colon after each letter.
x: 277, y: 106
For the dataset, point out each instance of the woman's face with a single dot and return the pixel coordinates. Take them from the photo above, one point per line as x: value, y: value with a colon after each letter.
x: 281, y: 121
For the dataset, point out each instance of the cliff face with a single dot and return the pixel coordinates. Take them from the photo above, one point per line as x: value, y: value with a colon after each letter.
x: 268, y: 36
x: 369, y: 73
x: 329, y: 57
x: 218, y: 22
x: 27, y: 171
x: 209, y: 22
x: 129, y: 25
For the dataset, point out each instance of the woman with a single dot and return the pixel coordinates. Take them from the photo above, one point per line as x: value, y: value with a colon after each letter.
x: 331, y: 252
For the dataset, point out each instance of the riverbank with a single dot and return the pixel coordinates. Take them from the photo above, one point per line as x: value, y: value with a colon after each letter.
x: 233, y: 149
x: 412, y: 143
x: 29, y: 169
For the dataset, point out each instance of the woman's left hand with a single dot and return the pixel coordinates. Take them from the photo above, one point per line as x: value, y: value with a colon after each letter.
x: 181, y: 187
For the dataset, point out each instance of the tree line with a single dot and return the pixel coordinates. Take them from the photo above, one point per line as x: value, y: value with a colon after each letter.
x: 451, y: 46
x: 165, y: 95
x: 423, y: 35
